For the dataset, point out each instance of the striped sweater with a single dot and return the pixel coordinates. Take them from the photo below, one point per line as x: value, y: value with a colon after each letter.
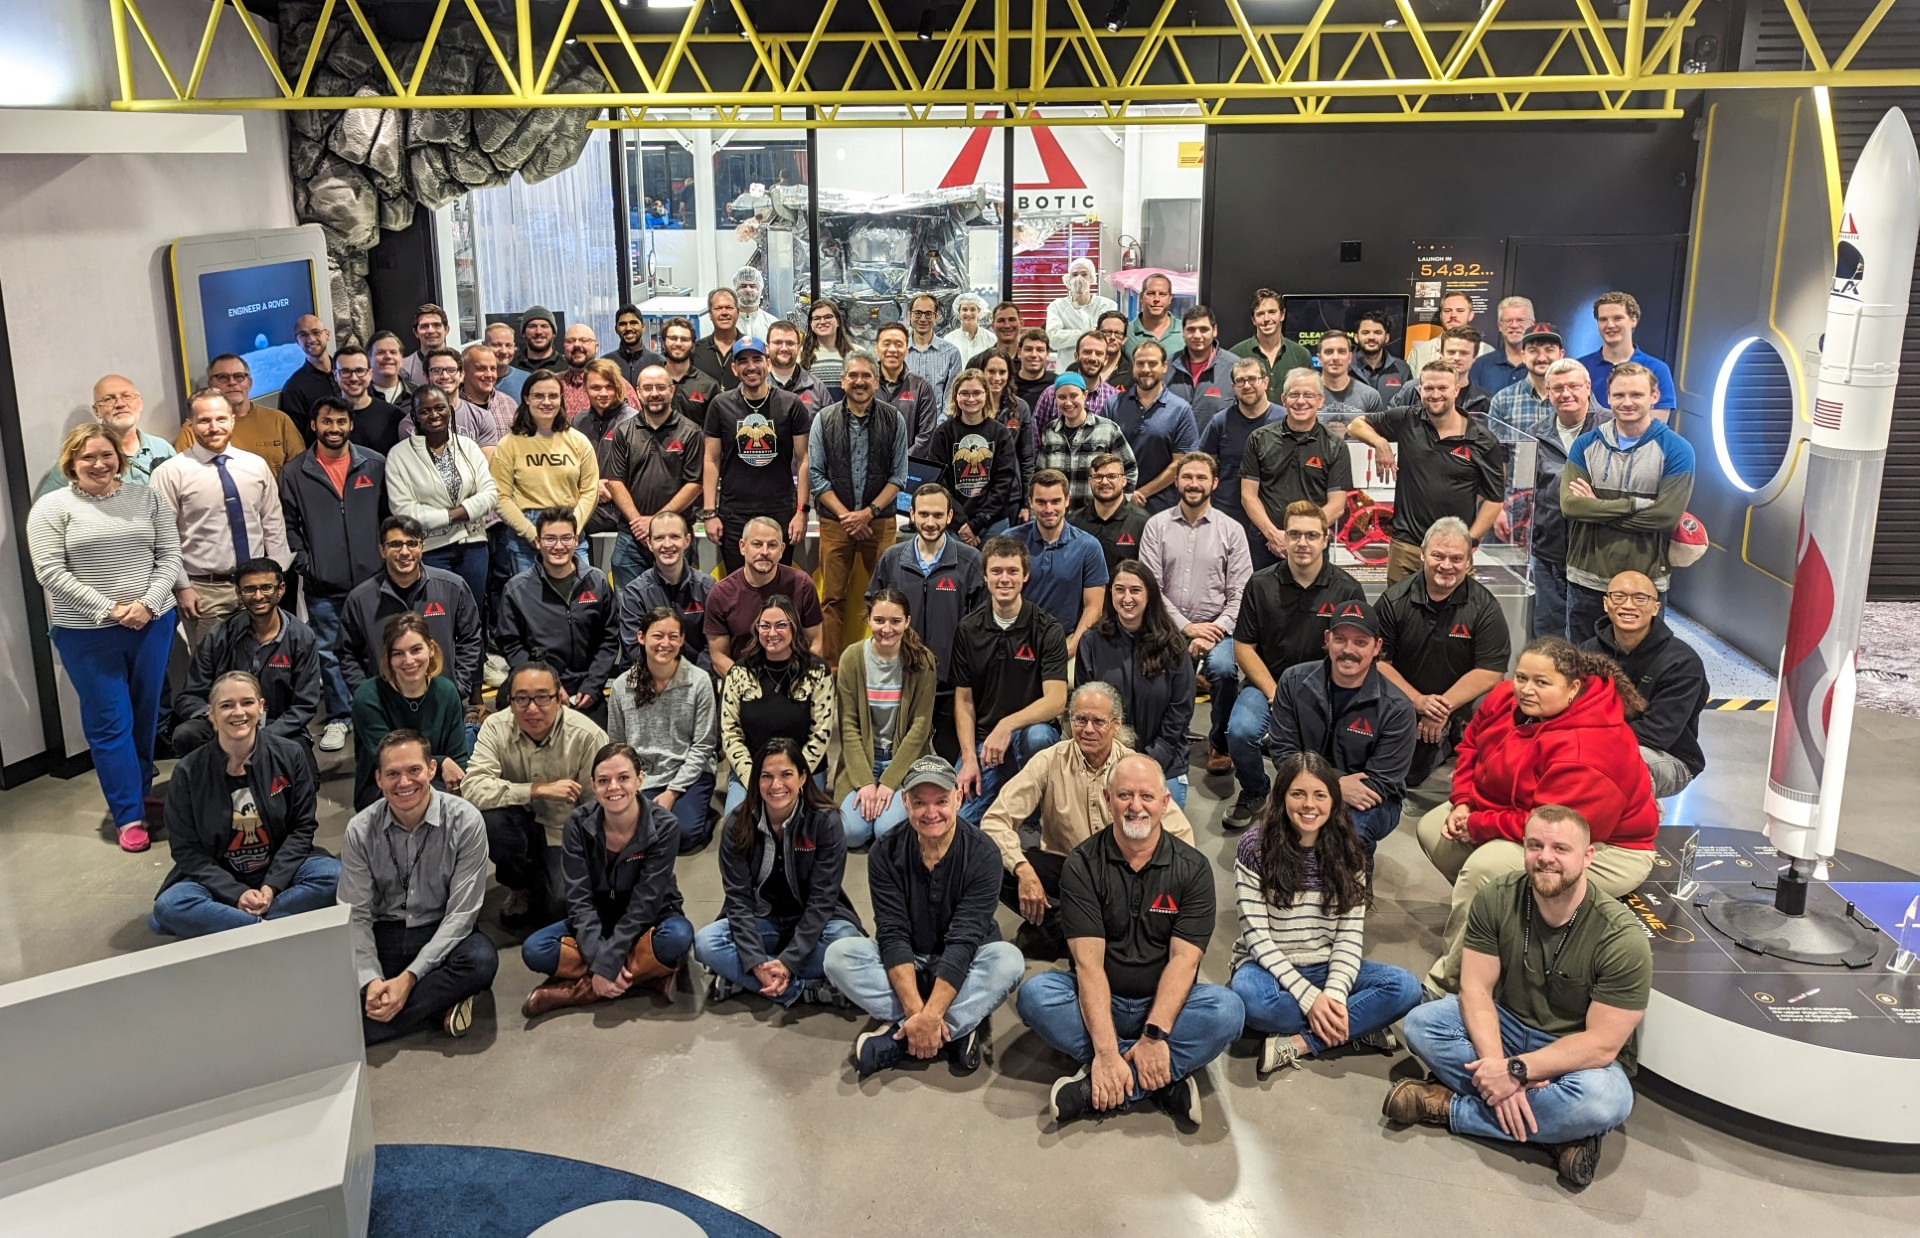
x: 93, y: 554
x: 1283, y: 939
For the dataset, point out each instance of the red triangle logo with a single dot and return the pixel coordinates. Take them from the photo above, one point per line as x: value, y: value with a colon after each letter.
x: 1213, y: 391
x: 694, y: 608
x: 586, y: 595
x: 432, y: 610
x: 803, y: 843
x: 1461, y: 630
x: 280, y: 783
x: 1315, y: 462
x: 1461, y: 452
x: 676, y: 445
x: 1326, y: 610
x: 1060, y: 172
x: 1126, y: 539
x: 1847, y: 227
x: 280, y: 661
x: 362, y: 482
x: 1023, y: 654
x: 946, y: 585
x: 1360, y: 726
x: 1164, y: 902
x: 906, y: 395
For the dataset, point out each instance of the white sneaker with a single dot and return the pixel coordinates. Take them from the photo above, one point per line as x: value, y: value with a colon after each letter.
x: 333, y: 737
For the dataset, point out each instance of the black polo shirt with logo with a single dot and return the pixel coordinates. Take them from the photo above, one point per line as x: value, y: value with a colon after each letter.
x: 1119, y: 536
x: 1007, y: 669
x: 653, y: 464
x: 1289, y: 466
x: 1436, y: 476
x: 1433, y: 643
x: 1138, y: 914
x: 1286, y: 624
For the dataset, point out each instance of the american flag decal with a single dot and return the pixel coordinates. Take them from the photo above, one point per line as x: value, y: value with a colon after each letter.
x: 1826, y: 414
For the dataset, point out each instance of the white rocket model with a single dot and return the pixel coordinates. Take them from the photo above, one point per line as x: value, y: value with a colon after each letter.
x: 1852, y: 418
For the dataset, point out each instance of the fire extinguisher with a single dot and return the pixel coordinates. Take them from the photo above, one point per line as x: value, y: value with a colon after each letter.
x: 1129, y: 253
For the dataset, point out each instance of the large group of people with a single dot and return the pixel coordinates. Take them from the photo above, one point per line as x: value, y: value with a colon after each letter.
x: 995, y: 697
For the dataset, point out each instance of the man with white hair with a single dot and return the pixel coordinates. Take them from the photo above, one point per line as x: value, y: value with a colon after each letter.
x: 1077, y: 313
x: 1502, y: 367
x: 1137, y: 907
x: 117, y: 405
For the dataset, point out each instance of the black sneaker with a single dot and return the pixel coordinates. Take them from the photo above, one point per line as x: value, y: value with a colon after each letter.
x: 1383, y: 1042
x: 877, y: 1050
x: 1180, y: 1100
x: 1577, y: 1161
x: 1072, y: 1097
x: 963, y: 1055
x: 1246, y: 806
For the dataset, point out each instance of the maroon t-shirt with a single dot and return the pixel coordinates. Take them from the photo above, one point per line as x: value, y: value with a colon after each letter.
x: 735, y: 603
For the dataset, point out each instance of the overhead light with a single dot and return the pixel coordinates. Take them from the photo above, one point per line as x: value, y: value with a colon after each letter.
x: 1391, y: 23
x: 571, y: 40
x: 926, y: 24
x: 1117, y: 16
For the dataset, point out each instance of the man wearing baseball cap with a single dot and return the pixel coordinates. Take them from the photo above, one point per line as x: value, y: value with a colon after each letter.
x: 1343, y: 708
x: 935, y: 967
x: 756, y: 456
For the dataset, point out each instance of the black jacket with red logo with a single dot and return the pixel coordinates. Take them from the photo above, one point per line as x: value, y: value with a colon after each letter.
x: 1374, y: 735
x: 207, y: 846
x: 288, y: 670
x: 813, y: 854
x: 439, y: 597
x: 568, y: 623
x: 334, y: 534
x: 940, y: 598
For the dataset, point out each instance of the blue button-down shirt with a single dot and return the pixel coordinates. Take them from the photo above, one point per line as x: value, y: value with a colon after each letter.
x: 938, y: 363
x: 1061, y: 569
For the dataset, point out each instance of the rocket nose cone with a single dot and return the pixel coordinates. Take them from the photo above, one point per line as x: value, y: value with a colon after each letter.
x: 1880, y: 217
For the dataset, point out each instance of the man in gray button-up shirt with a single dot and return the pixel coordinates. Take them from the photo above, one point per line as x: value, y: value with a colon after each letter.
x: 413, y: 870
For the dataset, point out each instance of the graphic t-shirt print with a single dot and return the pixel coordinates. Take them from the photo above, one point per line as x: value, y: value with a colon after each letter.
x: 756, y: 441
x: 248, y: 849
x: 972, y: 465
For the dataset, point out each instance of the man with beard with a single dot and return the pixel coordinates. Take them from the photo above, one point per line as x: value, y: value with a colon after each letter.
x: 1106, y: 516
x: 855, y: 476
x: 713, y: 354
x: 314, y: 378
x: 756, y: 457
x: 266, y: 432
x: 654, y: 467
x: 512, y: 378
x: 117, y: 405
x: 538, y: 348
x: 582, y: 346
x: 1372, y: 364
x: 1137, y: 910
x: 633, y: 355
x: 1537, y: 1048
x: 376, y: 423
x: 1157, y: 424
x: 1343, y: 708
x: 735, y: 603
x: 334, y: 496
x: 1457, y: 350
x: 692, y: 390
x: 430, y: 332
x: 783, y: 365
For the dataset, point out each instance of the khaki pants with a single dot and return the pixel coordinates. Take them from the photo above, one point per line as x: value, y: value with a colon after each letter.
x: 845, y: 567
x: 1403, y: 560
x: 218, y: 599
x: 1615, y: 871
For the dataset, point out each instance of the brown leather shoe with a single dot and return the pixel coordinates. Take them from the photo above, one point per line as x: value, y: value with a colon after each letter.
x: 1576, y: 1162
x: 1414, y: 1102
x: 558, y: 995
x: 1219, y: 762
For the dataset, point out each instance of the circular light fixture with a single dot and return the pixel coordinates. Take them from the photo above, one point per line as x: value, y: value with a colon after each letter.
x: 1753, y: 414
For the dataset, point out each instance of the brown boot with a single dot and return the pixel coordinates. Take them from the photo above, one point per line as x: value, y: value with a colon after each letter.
x: 573, y: 964
x: 646, y: 969
x: 558, y: 995
x: 1219, y: 762
x: 1415, y: 1102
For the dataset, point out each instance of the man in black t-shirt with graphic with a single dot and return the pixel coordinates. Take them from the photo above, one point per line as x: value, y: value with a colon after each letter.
x: 756, y: 450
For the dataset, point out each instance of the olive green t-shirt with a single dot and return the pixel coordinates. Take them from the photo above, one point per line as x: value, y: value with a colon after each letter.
x: 1606, y: 959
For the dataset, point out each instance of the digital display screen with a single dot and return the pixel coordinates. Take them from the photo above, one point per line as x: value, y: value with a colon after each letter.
x: 1311, y: 316
x: 251, y: 312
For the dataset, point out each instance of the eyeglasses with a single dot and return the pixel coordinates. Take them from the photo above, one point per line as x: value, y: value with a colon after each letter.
x: 1566, y: 388
x: 1093, y: 720
x: 108, y: 401
x: 1250, y: 380
x: 920, y: 313
x: 241, y: 377
x: 354, y: 371
x: 777, y: 625
x: 1300, y: 397
x: 1108, y: 475
x: 1621, y: 598
x: 443, y: 370
x: 411, y: 543
x: 524, y: 699
x: 1305, y: 535
x: 558, y: 539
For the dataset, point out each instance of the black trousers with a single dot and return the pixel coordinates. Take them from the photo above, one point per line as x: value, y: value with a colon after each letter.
x: 468, y: 969
x: 194, y: 733
x: 523, y: 861
x: 1428, y: 757
x: 1047, y: 867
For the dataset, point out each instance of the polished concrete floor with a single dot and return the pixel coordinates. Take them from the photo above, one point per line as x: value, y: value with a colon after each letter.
x: 759, y: 1111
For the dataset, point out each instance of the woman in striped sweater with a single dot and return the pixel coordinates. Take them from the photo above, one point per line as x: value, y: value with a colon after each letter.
x: 107, y: 552
x: 1301, y: 882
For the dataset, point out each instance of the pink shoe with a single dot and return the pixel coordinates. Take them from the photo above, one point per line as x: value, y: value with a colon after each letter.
x: 134, y: 837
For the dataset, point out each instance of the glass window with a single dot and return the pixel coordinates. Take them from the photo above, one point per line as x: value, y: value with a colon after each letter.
x: 552, y: 244
x: 760, y: 240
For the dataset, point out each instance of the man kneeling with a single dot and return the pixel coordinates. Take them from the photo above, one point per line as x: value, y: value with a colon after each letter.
x: 1538, y: 1046
x: 935, y: 967
x: 1130, y: 1011
x: 413, y: 870
x: 623, y: 924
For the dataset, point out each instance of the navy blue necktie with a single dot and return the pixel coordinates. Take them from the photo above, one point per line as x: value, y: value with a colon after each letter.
x: 236, y: 512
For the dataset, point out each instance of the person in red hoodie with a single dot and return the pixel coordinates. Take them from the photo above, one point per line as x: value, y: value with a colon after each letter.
x: 1556, y: 733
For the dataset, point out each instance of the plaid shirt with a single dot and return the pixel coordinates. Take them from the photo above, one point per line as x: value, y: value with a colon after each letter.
x: 1518, y: 408
x: 1072, y: 452
x: 1100, y: 397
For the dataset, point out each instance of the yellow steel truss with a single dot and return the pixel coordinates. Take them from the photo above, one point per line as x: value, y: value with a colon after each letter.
x: 1573, y: 64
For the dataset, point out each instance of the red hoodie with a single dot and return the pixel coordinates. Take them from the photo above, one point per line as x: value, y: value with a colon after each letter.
x: 1585, y: 758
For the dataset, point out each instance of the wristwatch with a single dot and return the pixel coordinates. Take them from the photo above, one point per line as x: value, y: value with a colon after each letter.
x: 704, y: 513
x: 879, y: 510
x: 1152, y: 1032
x: 1517, y: 1071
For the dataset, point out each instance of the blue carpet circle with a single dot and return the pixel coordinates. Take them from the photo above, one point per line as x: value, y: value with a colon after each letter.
x: 437, y: 1190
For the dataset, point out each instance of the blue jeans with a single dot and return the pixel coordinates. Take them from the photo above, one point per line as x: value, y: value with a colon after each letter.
x: 1585, y: 609
x: 523, y: 554
x: 1246, y: 732
x: 672, y: 938
x: 630, y: 559
x: 120, y: 675
x: 1223, y: 685
x: 853, y: 966
x: 1177, y: 787
x: 189, y: 909
x: 468, y: 561
x: 714, y: 947
x: 1374, y: 824
x: 693, y: 809
x: 1380, y: 995
x: 1026, y: 744
x: 1574, y: 1106
x: 1549, y: 599
x: 323, y: 616
x: 858, y: 829
x: 1049, y: 1003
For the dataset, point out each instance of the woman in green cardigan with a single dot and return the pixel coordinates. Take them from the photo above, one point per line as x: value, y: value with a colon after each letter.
x: 413, y: 693
x: 885, y: 705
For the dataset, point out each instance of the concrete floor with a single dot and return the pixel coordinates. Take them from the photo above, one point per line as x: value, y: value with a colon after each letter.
x: 759, y: 1111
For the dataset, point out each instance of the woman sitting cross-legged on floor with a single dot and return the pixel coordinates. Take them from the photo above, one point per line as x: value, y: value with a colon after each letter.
x: 1301, y: 880
x: 623, y: 925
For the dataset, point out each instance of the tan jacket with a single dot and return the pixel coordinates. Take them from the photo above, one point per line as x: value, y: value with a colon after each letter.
x: 1070, y: 795
x: 506, y: 765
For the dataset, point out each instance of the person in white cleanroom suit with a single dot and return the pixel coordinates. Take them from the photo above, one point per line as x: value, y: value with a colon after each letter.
x: 1075, y: 314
